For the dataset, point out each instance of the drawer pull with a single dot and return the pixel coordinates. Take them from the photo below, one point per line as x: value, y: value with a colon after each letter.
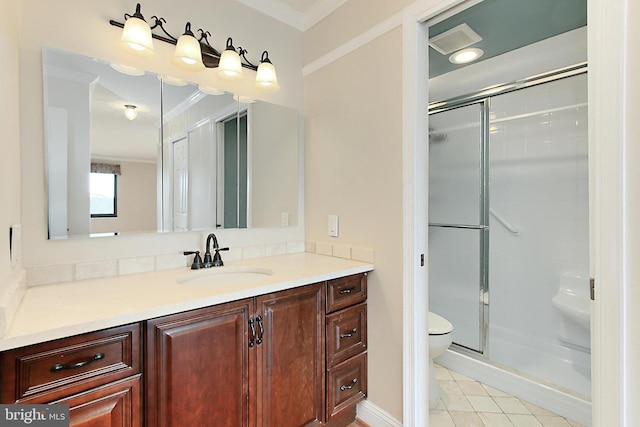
x: 350, y: 386
x: 349, y: 334
x: 253, y: 332
x: 347, y: 291
x: 59, y: 366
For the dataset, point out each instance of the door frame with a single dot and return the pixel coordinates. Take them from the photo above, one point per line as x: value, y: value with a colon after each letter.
x: 614, y: 191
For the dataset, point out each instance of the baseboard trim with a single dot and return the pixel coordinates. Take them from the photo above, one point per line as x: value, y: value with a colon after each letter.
x: 542, y: 395
x: 374, y: 416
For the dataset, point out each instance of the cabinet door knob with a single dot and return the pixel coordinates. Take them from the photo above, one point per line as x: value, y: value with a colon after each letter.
x: 350, y: 333
x: 350, y: 386
x: 59, y: 366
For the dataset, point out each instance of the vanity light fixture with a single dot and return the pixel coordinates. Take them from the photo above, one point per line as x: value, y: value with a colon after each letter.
x: 188, y: 54
x: 230, y: 66
x: 266, y: 78
x: 130, y: 111
x: 136, y: 33
x: 195, y: 53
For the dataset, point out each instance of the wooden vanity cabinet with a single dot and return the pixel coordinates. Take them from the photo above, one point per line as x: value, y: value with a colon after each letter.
x: 254, y: 362
x: 98, y: 374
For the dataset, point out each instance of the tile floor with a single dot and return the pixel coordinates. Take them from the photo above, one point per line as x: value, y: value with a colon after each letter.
x: 469, y: 403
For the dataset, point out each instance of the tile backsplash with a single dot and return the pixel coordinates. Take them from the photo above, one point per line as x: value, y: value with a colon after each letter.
x: 118, y: 267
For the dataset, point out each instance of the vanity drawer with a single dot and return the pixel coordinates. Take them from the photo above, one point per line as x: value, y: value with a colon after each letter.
x: 346, y: 291
x: 48, y: 371
x: 346, y: 384
x: 346, y: 333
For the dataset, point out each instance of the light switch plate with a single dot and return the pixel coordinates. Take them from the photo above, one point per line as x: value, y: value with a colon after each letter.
x: 333, y: 225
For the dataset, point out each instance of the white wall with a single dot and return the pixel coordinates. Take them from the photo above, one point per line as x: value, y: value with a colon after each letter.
x: 82, y: 26
x: 10, y: 147
x: 353, y: 161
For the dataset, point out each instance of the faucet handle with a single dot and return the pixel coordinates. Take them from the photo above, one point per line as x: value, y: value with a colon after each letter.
x: 217, y: 259
x: 197, y: 261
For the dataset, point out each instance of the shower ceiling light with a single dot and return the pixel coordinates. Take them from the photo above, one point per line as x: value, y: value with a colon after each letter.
x: 193, y: 53
x: 466, y: 55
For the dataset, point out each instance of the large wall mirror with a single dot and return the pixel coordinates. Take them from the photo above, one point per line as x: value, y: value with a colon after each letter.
x: 128, y: 151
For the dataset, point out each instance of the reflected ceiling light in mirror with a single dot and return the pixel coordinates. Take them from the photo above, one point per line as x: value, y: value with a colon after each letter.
x: 188, y: 54
x: 243, y: 99
x: 266, y: 79
x: 230, y: 65
x: 466, y: 55
x: 173, y: 81
x: 136, y: 34
x: 130, y: 111
x: 125, y: 69
x: 210, y: 90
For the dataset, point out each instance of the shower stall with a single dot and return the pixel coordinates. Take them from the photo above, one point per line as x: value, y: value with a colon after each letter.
x: 509, y: 226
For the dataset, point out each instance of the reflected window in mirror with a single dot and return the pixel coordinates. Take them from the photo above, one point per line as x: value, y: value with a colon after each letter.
x: 103, y: 195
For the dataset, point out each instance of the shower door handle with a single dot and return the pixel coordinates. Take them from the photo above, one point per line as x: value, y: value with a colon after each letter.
x: 464, y: 226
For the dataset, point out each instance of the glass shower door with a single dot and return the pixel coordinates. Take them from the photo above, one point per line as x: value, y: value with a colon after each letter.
x: 458, y: 232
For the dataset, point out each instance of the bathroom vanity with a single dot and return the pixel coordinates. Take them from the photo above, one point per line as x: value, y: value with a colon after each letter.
x: 288, y: 349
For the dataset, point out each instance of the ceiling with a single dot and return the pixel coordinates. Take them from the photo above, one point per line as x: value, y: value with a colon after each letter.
x: 505, y: 25
x: 300, y: 14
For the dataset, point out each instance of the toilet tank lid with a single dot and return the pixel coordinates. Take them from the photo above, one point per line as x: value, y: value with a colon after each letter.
x: 438, y: 325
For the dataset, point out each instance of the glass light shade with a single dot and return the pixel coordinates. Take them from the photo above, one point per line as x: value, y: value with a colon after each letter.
x: 266, y: 79
x: 136, y: 36
x: 130, y: 112
x: 230, y: 67
x: 188, y: 54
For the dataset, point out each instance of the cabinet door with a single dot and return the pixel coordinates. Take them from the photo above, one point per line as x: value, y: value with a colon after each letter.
x: 114, y: 405
x: 197, y: 366
x: 290, y: 364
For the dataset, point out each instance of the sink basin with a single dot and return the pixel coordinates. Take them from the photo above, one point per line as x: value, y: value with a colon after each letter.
x: 224, y: 275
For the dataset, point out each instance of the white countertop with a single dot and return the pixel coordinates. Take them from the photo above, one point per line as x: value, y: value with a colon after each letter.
x: 66, y: 309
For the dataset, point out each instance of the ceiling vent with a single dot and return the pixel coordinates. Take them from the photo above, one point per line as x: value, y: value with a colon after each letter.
x: 454, y: 39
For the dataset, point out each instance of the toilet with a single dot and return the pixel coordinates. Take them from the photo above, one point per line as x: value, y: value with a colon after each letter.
x: 440, y: 339
x: 573, y: 303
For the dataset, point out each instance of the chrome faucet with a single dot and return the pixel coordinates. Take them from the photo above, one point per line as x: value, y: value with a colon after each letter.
x: 216, y: 261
